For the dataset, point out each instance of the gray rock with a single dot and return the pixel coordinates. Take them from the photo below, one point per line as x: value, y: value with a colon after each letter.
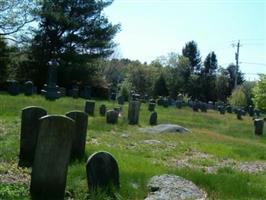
x: 49, y: 171
x: 89, y: 107
x: 133, y: 112
x: 171, y: 187
x: 79, y: 137
x: 29, y: 134
x: 102, y: 171
x: 165, y: 128
x: 111, y: 117
x: 152, y: 142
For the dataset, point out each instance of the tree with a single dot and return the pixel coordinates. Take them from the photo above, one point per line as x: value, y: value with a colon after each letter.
x: 4, y: 59
x: 192, y: 53
x: 222, y: 85
x: 231, y: 72
x: 260, y: 93
x: 210, y: 64
x: 238, y: 97
x: 75, y: 33
x: 160, y: 88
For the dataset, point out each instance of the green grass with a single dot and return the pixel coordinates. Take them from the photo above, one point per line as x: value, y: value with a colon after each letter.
x: 222, y: 136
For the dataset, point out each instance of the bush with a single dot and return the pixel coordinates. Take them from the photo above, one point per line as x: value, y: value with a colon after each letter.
x: 238, y: 97
x: 259, y: 92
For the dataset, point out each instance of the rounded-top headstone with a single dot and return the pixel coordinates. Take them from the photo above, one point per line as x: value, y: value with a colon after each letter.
x: 52, y: 155
x: 111, y: 117
x: 102, y: 171
x: 102, y: 110
x: 89, y: 107
x: 79, y: 138
x: 29, y: 133
x: 258, y: 125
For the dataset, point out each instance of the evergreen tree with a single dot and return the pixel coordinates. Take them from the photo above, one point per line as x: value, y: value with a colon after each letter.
x: 192, y: 53
x: 4, y: 59
x: 160, y: 88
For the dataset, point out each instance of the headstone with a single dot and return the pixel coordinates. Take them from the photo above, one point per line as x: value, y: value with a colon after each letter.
x: 121, y: 100
x: 102, y: 171
x: 239, y: 114
x: 165, y: 102
x: 195, y: 106
x: 13, y: 87
x: 203, y: 107
x: 102, y: 110
x: 153, y: 118
x: 89, y: 107
x: 251, y: 110
x: 221, y: 110
x: 133, y: 112
x: 62, y: 91
x: 179, y: 104
x: 28, y: 88
x: 111, y: 117
x: 52, y: 155
x: 29, y: 134
x: 229, y: 109
x: 257, y: 112
x: 80, y: 134
x: 151, y: 107
x: 258, y: 125
x: 87, y: 92
x: 210, y: 105
x: 160, y: 101
x: 135, y: 97
x: 152, y: 101
x: 75, y: 92
x: 113, y: 96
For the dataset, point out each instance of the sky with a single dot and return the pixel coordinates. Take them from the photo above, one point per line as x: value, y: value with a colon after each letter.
x: 153, y: 28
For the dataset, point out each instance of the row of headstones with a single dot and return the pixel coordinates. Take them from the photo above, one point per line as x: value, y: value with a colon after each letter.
x: 112, y: 115
x: 49, y: 142
x: 14, y: 88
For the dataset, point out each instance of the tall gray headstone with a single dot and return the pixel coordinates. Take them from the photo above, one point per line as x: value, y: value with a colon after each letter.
x: 102, y: 171
x: 90, y: 107
x: 153, y: 118
x: 29, y: 133
x: 133, y: 112
x: 258, y: 125
x: 79, y: 138
x: 52, y: 155
x: 111, y: 117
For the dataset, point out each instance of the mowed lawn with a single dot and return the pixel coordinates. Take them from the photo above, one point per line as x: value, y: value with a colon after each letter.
x: 219, y: 137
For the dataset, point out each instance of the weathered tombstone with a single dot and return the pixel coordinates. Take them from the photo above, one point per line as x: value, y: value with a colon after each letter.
x: 111, y: 117
x: 52, y: 155
x: 89, y: 107
x: 229, y: 109
x: 179, y: 104
x: 151, y: 106
x: 203, y: 107
x: 13, y: 87
x: 257, y: 112
x: 80, y: 134
x: 121, y: 100
x: 195, y: 106
x: 239, y: 114
x: 222, y: 110
x: 152, y: 101
x: 165, y: 102
x: 113, y: 96
x: 29, y: 134
x: 210, y: 105
x: 160, y: 101
x: 28, y: 88
x: 133, y: 112
x: 153, y: 118
x: 135, y: 97
x: 102, y: 171
x: 258, y: 125
x: 102, y: 110
x: 75, y: 92
x: 251, y: 110
x: 87, y: 92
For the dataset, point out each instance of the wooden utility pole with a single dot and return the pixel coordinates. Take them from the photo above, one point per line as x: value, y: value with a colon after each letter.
x: 237, y: 61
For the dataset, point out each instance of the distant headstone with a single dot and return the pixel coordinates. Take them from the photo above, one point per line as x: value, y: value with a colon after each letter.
x: 135, y: 97
x: 121, y: 100
x: 153, y: 118
x: 52, y: 155
x: 102, y: 110
x: 210, y: 105
x: 195, y: 106
x: 258, y: 125
x: 13, y: 87
x: 87, y: 92
x: 111, y: 117
x: 75, y: 92
x: 251, y: 110
x: 28, y: 88
x: 152, y: 101
x: 257, y: 112
x: 221, y: 110
x: 179, y: 104
x: 165, y: 102
x: 113, y: 96
x: 62, y: 91
x: 229, y: 109
x: 133, y: 112
x: 102, y: 171
x: 29, y: 134
x: 203, y: 107
x: 239, y: 114
x: 80, y: 134
x: 90, y: 107
x: 151, y: 107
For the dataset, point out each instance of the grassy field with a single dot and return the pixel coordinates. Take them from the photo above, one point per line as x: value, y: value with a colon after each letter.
x: 215, y: 139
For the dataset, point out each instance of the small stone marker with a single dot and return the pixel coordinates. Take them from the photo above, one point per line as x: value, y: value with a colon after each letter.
x: 258, y: 125
x: 89, y: 107
x: 111, y: 117
x: 203, y: 107
x: 28, y: 88
x: 102, y: 171
x: 29, y: 134
x: 133, y: 112
x: 153, y: 119
x: 229, y: 109
x: 121, y: 100
x: 179, y: 104
x: 102, y: 110
x: 49, y: 171
x: 79, y: 138
x: 239, y: 114
x: 151, y: 106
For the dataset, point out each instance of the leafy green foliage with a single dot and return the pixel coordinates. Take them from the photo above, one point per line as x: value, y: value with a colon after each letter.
x: 192, y: 53
x: 160, y: 88
x: 238, y: 97
x: 260, y: 93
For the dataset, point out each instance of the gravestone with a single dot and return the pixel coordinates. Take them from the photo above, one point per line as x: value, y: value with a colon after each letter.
x: 239, y: 114
x: 195, y: 106
x: 89, y: 107
x: 229, y: 109
x: 79, y: 137
x: 135, y: 97
x: 221, y: 110
x: 29, y: 134
x: 51, y: 90
x: 203, y: 107
x: 179, y: 104
x: 87, y: 92
x: 102, y: 110
x: 113, y: 96
x: 111, y: 117
x: 160, y: 101
x: 75, y: 92
x: 258, y: 125
x: 152, y: 101
x: 121, y: 100
x: 13, y: 87
x: 28, y: 88
x: 153, y: 118
x: 151, y: 107
x: 62, y: 91
x: 133, y: 112
x: 102, y: 171
x: 165, y: 102
x: 251, y: 110
x: 52, y: 155
x: 210, y: 105
x: 257, y: 112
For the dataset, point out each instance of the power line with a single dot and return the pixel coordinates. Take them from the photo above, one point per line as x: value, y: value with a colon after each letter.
x: 253, y: 63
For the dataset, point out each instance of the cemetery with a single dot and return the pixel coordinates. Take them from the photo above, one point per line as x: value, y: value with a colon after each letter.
x: 73, y: 148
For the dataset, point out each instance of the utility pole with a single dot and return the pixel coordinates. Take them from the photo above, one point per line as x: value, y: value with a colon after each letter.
x: 237, y: 61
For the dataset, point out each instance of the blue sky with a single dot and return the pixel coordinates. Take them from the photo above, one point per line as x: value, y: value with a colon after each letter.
x: 152, y: 28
